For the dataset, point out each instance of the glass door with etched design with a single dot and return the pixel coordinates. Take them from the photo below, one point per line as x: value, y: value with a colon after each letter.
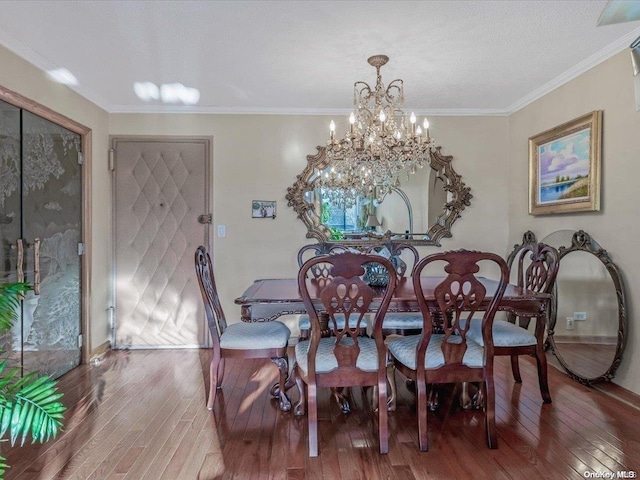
x: 43, y: 207
x: 10, y: 210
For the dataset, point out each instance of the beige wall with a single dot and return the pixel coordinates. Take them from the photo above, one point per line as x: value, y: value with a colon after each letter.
x: 27, y: 80
x: 607, y: 87
x: 262, y: 168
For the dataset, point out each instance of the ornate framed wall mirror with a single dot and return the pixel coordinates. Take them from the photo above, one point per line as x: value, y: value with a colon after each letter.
x: 588, y: 318
x: 420, y: 212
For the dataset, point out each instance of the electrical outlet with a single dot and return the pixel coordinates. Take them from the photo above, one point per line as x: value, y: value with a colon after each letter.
x: 580, y: 316
x: 222, y: 231
x: 570, y: 323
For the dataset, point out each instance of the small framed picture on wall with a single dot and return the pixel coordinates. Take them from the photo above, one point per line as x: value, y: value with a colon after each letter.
x: 263, y: 209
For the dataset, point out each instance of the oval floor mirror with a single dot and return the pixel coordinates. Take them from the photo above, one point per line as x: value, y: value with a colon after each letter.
x: 587, y: 327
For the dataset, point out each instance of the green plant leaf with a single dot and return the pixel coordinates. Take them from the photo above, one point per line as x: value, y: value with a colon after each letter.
x: 31, y: 406
x: 10, y: 295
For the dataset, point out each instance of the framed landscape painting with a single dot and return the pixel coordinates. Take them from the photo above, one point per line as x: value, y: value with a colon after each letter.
x: 564, y: 167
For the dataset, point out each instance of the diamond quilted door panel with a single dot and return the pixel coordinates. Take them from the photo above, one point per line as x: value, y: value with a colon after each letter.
x: 160, y: 190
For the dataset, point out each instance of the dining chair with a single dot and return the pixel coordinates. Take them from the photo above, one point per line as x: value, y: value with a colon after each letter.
x: 239, y: 340
x: 451, y: 356
x: 345, y: 358
x: 320, y: 272
x: 537, y: 268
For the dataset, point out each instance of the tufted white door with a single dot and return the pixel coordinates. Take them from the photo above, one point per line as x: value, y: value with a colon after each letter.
x: 161, y: 187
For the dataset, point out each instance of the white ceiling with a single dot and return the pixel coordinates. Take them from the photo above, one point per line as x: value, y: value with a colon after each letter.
x: 455, y: 57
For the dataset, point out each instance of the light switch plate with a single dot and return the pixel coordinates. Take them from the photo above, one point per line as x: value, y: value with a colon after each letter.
x: 222, y: 231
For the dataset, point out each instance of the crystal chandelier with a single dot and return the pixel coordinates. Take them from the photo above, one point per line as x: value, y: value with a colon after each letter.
x: 383, y: 143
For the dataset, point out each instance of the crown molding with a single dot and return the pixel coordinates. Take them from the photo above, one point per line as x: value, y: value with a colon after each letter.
x: 195, y: 109
x: 587, y: 64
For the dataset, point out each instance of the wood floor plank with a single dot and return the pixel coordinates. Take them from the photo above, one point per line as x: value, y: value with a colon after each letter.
x: 141, y: 415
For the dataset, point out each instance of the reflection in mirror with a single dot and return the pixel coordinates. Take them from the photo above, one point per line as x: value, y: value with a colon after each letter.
x: 420, y: 212
x: 588, y: 318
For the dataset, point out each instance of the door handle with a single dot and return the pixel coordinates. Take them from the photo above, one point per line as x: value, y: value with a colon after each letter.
x: 20, y: 260
x: 36, y: 266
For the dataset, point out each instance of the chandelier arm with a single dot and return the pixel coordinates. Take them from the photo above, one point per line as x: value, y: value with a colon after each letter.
x: 393, y: 86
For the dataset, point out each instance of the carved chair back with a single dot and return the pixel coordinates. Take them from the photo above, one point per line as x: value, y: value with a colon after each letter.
x: 459, y: 297
x: 213, y: 308
x: 537, y: 267
x: 344, y: 292
x: 403, y: 256
x: 319, y: 249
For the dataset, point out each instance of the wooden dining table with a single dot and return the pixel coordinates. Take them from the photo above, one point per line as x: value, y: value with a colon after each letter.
x: 268, y: 299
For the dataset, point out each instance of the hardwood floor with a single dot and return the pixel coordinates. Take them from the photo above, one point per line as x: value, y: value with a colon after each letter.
x: 141, y: 415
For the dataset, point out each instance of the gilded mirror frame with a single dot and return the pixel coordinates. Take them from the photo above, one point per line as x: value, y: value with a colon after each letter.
x: 582, y: 241
x: 460, y: 197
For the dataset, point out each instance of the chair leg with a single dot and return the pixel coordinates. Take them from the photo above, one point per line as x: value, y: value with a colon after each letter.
x: 341, y: 399
x: 383, y: 415
x: 421, y: 390
x: 515, y: 368
x: 300, y: 408
x: 490, y: 412
x: 465, y: 399
x: 279, y: 390
x: 220, y: 373
x: 393, y: 392
x: 313, y: 420
x: 541, y: 360
x: 214, y: 381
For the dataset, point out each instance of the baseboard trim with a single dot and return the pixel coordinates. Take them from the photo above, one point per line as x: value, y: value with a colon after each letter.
x: 100, y: 350
x: 620, y: 393
x: 590, y: 339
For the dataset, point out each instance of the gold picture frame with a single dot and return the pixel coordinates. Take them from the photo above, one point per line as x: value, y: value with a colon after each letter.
x: 564, y: 167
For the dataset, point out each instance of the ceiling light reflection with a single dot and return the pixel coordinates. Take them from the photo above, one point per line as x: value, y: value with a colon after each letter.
x: 63, y: 76
x: 176, y: 92
x: 167, y: 92
x: 146, y: 91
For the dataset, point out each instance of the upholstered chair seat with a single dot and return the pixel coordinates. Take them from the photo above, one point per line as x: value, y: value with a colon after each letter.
x: 326, y: 361
x: 245, y: 336
x: 402, y: 321
x: 505, y: 334
x: 304, y: 322
x: 403, y: 350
